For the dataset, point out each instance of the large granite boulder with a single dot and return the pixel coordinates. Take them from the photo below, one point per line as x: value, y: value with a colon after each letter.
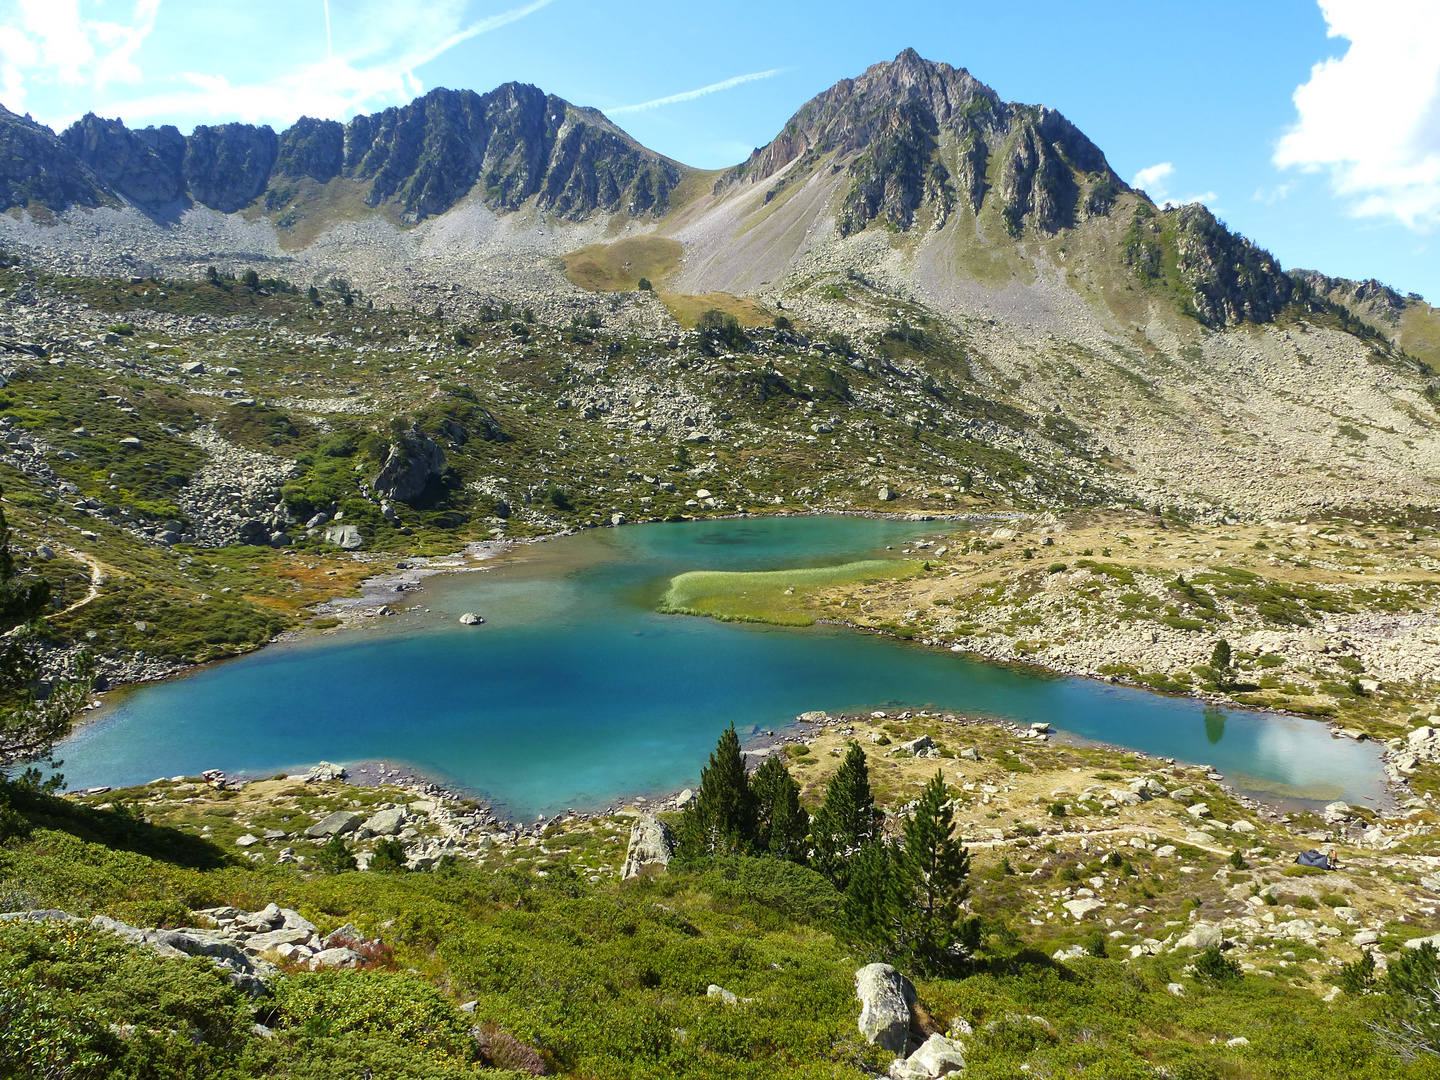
x: 345, y: 537
x: 651, y: 847
x: 386, y: 822
x: 414, y: 460
x: 885, y: 997
x: 337, y: 824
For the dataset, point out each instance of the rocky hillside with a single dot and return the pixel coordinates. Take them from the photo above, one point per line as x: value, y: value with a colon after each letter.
x: 921, y: 136
x: 516, y: 143
x: 1406, y: 320
x: 972, y: 267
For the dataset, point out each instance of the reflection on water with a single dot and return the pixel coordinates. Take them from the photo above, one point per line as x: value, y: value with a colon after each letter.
x: 576, y: 691
x: 1214, y: 724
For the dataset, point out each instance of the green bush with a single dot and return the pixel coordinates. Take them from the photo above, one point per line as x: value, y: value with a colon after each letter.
x: 335, y: 857
x: 407, y: 1010
x: 388, y: 855
x: 1214, y: 965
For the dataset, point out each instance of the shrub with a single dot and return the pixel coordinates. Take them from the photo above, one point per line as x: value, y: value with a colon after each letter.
x: 1357, y: 977
x: 401, y: 1007
x: 335, y: 857
x: 1214, y: 965
x: 644, y: 285
x: 388, y: 855
x: 1095, y: 945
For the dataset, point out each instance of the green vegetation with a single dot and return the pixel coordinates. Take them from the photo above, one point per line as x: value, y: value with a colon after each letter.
x: 775, y: 596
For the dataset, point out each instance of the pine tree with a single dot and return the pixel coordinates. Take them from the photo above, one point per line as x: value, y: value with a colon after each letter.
x: 721, y: 821
x: 849, y: 819
x: 934, y: 870
x: 781, y: 823
x: 905, y: 898
x: 30, y: 728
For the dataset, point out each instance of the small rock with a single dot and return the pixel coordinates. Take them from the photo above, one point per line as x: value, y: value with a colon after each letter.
x: 247, y: 840
x: 1175, y: 989
x: 470, y: 619
x: 337, y: 958
x: 1080, y: 908
x: 937, y: 1056
x: 715, y: 991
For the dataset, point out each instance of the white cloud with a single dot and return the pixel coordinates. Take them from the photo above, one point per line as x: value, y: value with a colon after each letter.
x: 691, y: 95
x: 1372, y: 116
x: 1152, y: 179
x: 368, y: 63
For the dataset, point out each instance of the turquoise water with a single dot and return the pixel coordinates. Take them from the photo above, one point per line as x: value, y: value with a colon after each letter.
x: 575, y: 691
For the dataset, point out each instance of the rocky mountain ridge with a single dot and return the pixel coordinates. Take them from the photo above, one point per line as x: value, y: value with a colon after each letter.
x: 515, y: 143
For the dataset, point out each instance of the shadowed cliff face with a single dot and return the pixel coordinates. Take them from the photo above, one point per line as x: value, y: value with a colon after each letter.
x: 920, y: 134
x: 514, y: 142
x: 908, y: 145
x: 36, y: 167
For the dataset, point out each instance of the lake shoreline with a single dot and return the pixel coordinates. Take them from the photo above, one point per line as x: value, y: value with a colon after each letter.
x: 397, y: 585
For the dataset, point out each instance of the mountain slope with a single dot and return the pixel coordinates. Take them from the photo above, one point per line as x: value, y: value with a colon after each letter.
x: 513, y: 144
x: 976, y: 259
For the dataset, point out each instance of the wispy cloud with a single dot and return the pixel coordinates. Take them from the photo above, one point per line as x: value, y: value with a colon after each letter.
x: 1154, y: 180
x: 368, y: 63
x: 49, y: 42
x: 1371, y: 118
x: 691, y: 95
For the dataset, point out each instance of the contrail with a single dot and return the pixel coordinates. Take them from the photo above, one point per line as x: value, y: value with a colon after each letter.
x: 691, y: 95
x: 329, y: 48
x: 484, y: 26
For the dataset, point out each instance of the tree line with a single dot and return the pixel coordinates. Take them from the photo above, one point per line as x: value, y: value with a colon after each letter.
x: 903, y: 889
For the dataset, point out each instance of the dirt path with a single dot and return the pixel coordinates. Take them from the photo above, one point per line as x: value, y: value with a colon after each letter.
x: 99, y: 574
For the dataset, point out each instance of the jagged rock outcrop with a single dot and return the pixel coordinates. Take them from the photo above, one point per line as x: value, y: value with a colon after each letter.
x: 223, y: 167
x: 921, y: 134
x: 1220, y: 278
x: 1229, y: 280
x: 227, y: 166
x: 414, y: 460
x: 313, y: 148
x: 36, y: 167
x: 515, y: 142
x: 144, y: 166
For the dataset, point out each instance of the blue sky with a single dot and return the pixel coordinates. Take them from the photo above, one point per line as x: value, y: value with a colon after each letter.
x: 1335, y: 167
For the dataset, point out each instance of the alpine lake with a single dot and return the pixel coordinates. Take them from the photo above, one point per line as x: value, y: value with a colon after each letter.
x: 576, y: 691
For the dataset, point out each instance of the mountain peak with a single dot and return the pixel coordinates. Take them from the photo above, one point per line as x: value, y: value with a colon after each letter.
x: 918, y: 135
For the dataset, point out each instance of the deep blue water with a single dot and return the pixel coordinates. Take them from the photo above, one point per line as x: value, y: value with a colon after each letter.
x: 575, y: 691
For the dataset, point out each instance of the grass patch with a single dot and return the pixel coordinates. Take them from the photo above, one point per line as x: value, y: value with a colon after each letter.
x: 687, y: 308
x: 618, y: 267
x: 773, y: 596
